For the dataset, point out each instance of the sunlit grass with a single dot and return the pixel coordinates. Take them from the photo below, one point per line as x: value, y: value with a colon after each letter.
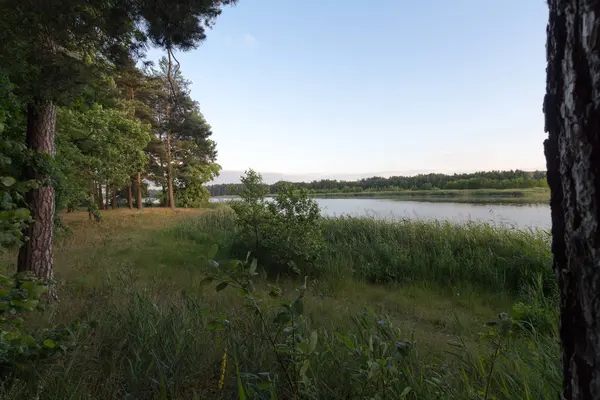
x: 138, y: 274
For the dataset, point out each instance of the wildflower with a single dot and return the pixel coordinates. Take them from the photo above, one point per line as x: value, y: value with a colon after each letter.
x: 223, y: 367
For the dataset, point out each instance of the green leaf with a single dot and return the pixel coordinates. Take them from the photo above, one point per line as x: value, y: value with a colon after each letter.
x: 222, y: 286
x: 49, y: 343
x: 297, y: 307
x: 405, y: 392
x: 346, y: 340
x: 253, y: 266
x: 312, y: 344
x: 282, y: 318
x: 304, y: 367
x: 240, y: 385
x: 212, y: 251
x: 274, y: 291
x: 22, y: 213
x: 207, y: 281
x: 8, y: 180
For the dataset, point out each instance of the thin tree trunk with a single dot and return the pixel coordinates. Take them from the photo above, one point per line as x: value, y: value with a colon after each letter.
x: 92, y: 190
x: 106, y: 204
x: 114, y: 198
x: 170, y: 173
x: 100, y: 201
x: 572, y: 114
x: 138, y: 191
x: 36, y: 253
x: 129, y: 195
x: 169, y: 163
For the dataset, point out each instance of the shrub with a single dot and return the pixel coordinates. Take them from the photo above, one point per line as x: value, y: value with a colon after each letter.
x: 285, y: 234
x: 20, y: 345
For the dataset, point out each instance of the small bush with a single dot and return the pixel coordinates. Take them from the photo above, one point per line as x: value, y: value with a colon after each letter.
x: 20, y: 345
x: 284, y: 234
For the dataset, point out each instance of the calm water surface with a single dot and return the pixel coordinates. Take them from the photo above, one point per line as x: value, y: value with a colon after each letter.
x: 513, y: 215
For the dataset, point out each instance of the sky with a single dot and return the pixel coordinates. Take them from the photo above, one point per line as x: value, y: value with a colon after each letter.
x: 325, y: 88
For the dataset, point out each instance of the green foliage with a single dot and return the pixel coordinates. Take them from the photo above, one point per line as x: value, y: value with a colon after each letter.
x: 251, y: 210
x: 98, y: 144
x: 473, y: 254
x: 538, y: 311
x: 20, y: 345
x: 286, y: 232
x: 427, y: 182
x: 192, y: 152
x: 286, y: 332
x: 14, y: 215
x: 293, y: 235
x: 373, y: 360
x: 166, y: 334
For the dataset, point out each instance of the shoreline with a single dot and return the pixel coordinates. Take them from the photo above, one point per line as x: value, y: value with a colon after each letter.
x: 487, y: 196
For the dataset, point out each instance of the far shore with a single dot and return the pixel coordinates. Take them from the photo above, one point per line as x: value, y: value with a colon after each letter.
x: 517, y: 196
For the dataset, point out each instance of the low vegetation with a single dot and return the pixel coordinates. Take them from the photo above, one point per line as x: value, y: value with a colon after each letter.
x: 174, y: 306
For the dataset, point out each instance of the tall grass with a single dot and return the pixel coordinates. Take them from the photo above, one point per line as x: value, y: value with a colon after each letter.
x: 481, y: 255
x: 139, y: 276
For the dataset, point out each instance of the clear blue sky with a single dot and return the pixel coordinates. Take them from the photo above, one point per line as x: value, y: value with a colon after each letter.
x: 360, y: 87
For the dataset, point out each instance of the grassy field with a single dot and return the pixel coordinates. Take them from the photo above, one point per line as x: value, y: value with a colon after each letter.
x: 140, y: 275
x: 535, y: 195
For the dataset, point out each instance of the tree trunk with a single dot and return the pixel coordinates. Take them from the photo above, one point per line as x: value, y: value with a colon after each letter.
x: 572, y: 119
x: 114, y: 198
x: 100, y: 201
x: 129, y: 195
x: 107, y: 196
x: 138, y: 191
x: 169, y: 164
x: 92, y: 190
x: 36, y: 253
x: 170, y: 173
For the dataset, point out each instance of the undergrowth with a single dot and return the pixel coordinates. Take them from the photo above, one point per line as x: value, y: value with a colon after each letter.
x: 179, y: 317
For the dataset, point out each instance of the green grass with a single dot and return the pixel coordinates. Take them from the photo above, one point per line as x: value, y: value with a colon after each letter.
x: 139, y: 275
x: 471, y: 255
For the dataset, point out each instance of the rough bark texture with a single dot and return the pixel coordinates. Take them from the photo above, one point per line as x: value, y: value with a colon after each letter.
x: 114, y: 198
x: 100, y: 201
x: 92, y: 190
x: 572, y: 112
x: 107, y: 203
x: 129, y: 197
x: 138, y: 191
x: 36, y: 254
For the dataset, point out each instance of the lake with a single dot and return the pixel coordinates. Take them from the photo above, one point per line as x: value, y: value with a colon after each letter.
x: 520, y: 216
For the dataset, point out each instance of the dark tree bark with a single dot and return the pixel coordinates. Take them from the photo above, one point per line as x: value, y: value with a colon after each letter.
x: 114, y: 198
x: 138, y: 191
x: 92, y: 190
x: 100, y: 197
x: 572, y: 119
x: 129, y: 196
x: 36, y: 254
x: 107, y: 203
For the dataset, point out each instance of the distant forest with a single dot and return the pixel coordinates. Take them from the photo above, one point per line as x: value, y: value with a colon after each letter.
x: 516, y: 179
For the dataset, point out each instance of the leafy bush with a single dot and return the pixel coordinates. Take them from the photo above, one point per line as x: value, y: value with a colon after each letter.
x: 284, y: 233
x: 21, y: 345
x: 282, y: 357
x: 14, y: 216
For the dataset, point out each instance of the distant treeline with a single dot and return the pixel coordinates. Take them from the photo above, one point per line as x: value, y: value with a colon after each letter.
x: 516, y: 179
